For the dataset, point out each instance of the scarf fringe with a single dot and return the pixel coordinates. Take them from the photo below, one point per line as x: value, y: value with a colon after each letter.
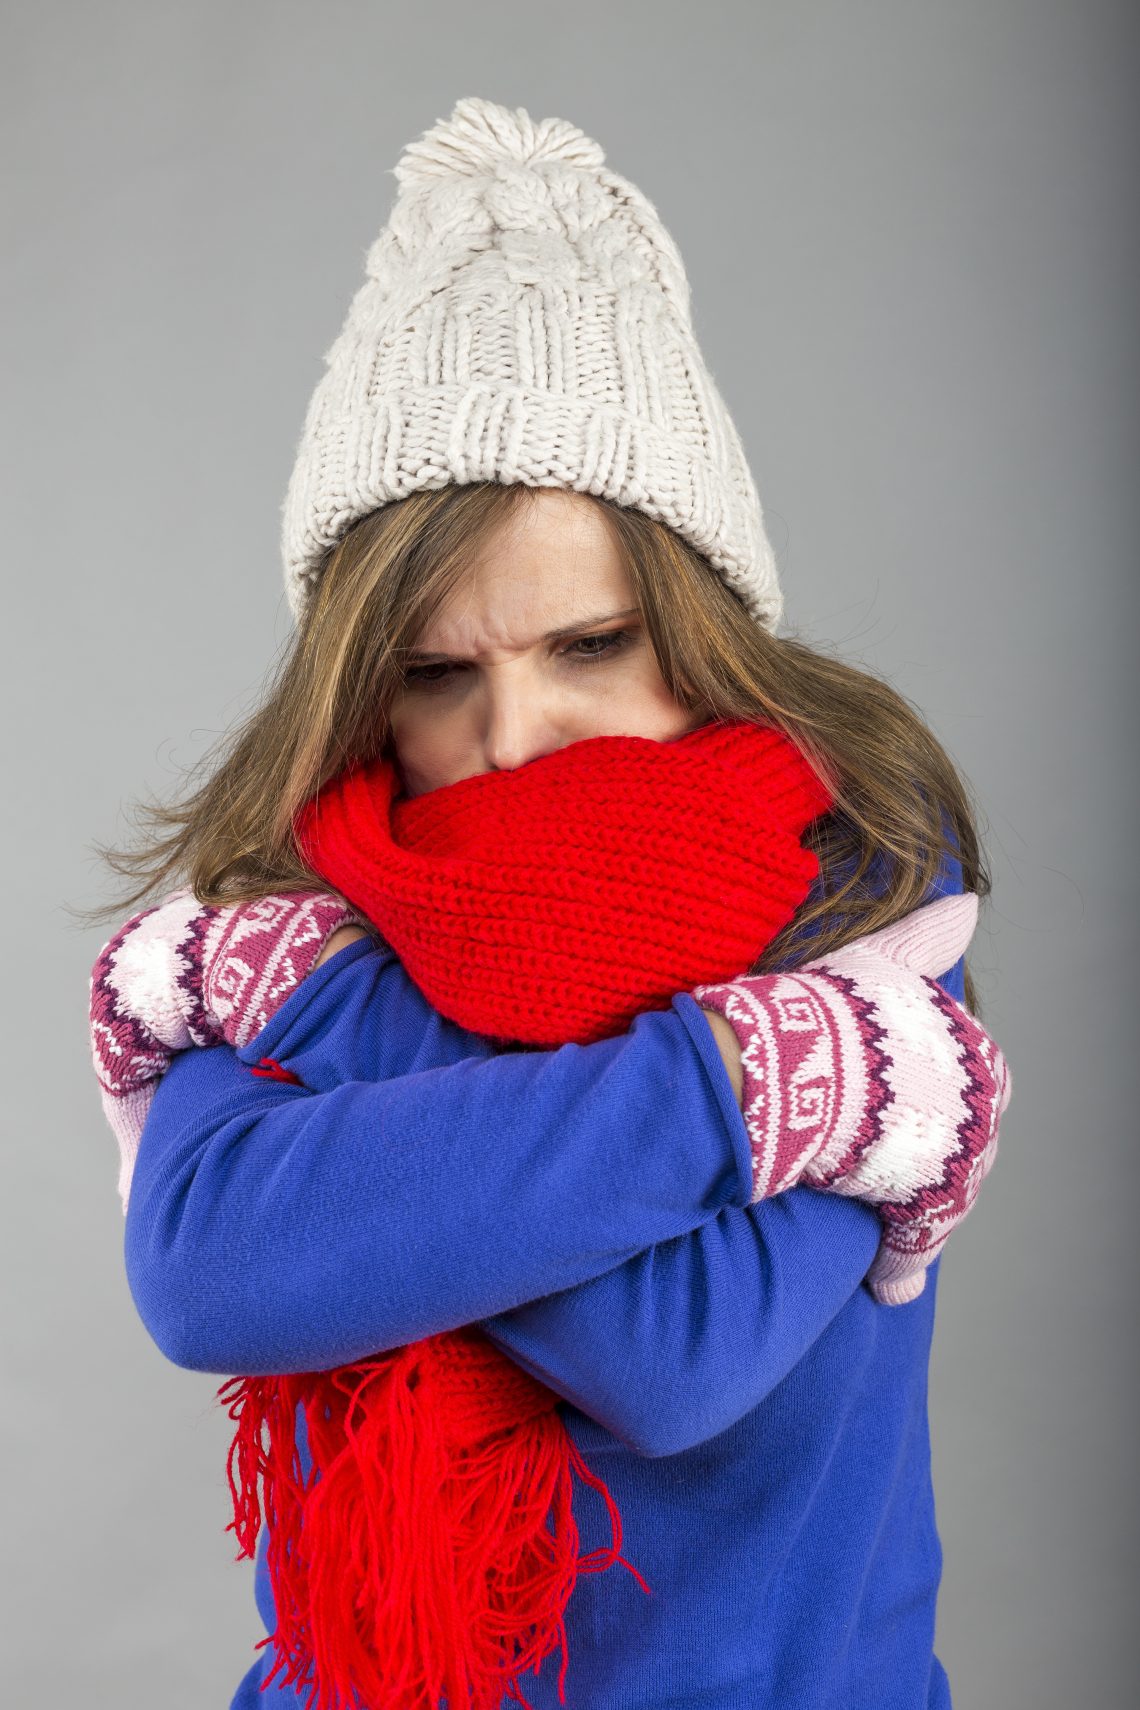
x: 415, y: 1560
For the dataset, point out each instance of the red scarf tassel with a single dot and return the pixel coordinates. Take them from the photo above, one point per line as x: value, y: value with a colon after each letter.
x: 435, y: 1509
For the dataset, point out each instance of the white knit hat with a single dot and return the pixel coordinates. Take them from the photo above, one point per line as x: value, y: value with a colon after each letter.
x: 525, y: 318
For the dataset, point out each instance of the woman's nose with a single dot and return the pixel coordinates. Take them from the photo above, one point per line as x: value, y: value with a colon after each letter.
x: 518, y: 727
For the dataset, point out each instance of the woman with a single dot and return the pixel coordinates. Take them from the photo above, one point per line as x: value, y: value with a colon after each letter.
x: 521, y: 520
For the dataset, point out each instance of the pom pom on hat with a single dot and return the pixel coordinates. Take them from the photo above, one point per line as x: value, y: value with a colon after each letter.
x: 480, y: 137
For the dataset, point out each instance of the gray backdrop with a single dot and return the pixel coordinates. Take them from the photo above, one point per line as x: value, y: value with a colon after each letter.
x: 912, y: 254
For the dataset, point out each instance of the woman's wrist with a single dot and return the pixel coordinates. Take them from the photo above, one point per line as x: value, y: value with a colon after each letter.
x: 729, y: 1046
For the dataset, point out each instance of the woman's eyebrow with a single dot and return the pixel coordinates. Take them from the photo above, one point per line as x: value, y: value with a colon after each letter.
x: 563, y: 634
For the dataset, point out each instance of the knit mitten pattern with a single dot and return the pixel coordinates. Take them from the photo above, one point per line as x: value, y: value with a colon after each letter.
x: 863, y: 1077
x: 183, y: 973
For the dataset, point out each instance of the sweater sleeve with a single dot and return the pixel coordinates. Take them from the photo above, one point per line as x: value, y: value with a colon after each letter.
x: 274, y: 1227
x: 679, y: 1342
x: 664, y: 1346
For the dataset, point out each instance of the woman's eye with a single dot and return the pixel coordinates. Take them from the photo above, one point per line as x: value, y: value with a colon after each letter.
x: 596, y: 647
x: 611, y: 642
x: 423, y: 673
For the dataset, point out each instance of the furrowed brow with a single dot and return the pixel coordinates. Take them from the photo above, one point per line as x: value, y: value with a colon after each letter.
x: 580, y: 628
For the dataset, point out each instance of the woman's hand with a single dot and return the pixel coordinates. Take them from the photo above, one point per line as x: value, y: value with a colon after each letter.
x: 184, y: 973
x: 862, y: 1076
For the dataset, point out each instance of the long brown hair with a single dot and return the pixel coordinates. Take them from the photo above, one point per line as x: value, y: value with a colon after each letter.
x: 900, y: 804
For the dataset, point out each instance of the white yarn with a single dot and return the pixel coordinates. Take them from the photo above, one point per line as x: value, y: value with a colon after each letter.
x: 524, y: 318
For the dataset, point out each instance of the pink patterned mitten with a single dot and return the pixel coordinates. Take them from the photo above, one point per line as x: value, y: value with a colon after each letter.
x: 184, y: 973
x: 863, y: 1077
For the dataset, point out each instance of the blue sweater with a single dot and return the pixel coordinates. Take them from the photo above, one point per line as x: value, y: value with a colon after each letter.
x: 760, y: 1421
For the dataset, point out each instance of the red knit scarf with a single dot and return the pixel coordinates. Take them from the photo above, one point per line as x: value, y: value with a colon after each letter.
x: 544, y: 905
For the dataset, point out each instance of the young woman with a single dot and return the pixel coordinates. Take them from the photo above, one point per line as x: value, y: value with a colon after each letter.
x: 520, y: 522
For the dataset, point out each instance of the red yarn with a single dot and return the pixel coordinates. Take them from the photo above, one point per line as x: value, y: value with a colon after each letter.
x: 542, y: 905
x: 415, y: 1561
x: 269, y: 1069
x: 555, y: 902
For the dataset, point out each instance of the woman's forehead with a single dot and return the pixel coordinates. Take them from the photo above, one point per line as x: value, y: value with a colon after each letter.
x: 552, y: 567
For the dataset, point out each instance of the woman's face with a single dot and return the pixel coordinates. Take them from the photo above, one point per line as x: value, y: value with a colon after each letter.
x: 538, y: 647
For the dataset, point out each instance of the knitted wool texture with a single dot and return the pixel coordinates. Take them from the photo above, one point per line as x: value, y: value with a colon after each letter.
x: 525, y: 317
x: 180, y: 975
x: 554, y: 902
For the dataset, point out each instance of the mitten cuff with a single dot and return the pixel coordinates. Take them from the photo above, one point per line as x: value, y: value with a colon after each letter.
x: 796, y: 1083
x: 255, y: 956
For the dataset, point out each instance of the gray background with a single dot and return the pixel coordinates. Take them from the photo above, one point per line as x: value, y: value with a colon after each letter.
x: 914, y: 272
